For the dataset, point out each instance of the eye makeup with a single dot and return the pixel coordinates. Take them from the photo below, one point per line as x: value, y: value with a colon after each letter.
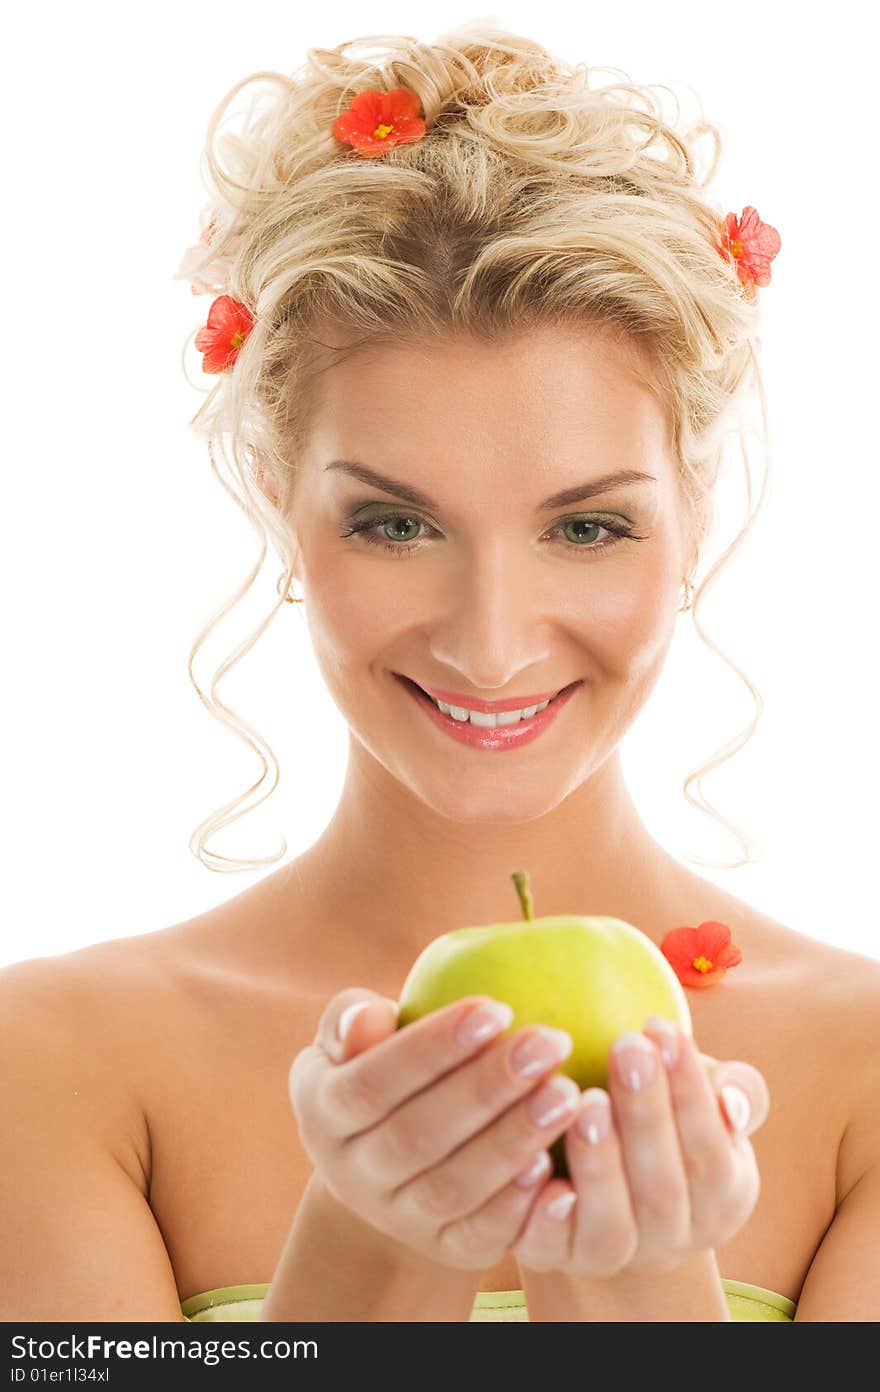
x: 363, y: 526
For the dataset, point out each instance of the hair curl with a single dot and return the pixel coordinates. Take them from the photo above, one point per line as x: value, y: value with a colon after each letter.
x: 532, y: 198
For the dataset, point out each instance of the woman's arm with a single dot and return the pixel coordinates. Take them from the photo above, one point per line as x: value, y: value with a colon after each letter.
x: 690, y: 1292
x: 337, y: 1267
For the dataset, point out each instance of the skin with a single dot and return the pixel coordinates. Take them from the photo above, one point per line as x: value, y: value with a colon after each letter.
x: 494, y: 606
x: 498, y: 600
x: 433, y: 1138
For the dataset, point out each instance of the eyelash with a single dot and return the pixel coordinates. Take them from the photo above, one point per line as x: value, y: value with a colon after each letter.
x: 620, y: 532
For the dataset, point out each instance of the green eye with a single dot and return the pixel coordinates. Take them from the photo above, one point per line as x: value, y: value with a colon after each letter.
x: 586, y: 522
x: 617, y: 529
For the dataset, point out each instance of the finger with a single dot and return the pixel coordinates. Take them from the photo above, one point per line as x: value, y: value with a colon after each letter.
x: 363, y: 1025
x: 454, y: 1120
x: 747, y: 1105
x: 545, y: 1243
x: 341, y: 1027
x: 721, y: 1185
x: 652, y: 1158
x: 471, y: 1173
x: 483, y: 1237
x: 370, y: 1086
x: 741, y: 1114
x: 352, y: 1021
x: 606, y: 1230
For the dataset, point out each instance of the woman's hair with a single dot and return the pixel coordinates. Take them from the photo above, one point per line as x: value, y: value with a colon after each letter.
x: 533, y: 198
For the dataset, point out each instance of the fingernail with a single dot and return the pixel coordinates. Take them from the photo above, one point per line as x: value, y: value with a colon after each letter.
x: 486, y: 1019
x: 668, y: 1042
x: 343, y: 1024
x: 736, y: 1105
x: 635, y: 1060
x: 553, y: 1100
x: 537, y: 1051
x: 540, y: 1165
x: 594, y: 1119
x: 561, y: 1206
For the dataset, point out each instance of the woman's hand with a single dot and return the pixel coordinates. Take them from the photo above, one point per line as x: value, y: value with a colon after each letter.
x: 658, y: 1171
x: 425, y: 1132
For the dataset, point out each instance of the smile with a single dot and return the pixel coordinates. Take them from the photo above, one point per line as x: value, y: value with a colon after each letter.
x: 490, y: 730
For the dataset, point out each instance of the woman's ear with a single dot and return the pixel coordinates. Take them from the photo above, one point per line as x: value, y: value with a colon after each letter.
x: 265, y: 482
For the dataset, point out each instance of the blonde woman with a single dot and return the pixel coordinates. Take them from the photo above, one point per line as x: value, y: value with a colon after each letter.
x: 474, y: 385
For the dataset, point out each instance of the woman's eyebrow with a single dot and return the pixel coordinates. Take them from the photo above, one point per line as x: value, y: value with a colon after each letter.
x: 414, y: 495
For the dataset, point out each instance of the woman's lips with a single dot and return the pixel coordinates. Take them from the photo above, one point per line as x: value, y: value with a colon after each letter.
x: 509, y: 703
x: 482, y: 737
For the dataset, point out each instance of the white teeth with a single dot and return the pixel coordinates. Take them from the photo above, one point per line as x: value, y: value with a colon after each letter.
x: 488, y: 721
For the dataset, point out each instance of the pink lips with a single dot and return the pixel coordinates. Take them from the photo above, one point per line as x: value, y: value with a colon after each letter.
x: 458, y: 698
x: 481, y: 737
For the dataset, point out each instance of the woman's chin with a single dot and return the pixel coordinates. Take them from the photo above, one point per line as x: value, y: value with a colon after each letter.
x: 490, y: 805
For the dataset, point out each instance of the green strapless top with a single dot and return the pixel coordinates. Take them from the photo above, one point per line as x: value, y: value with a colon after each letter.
x: 746, y: 1302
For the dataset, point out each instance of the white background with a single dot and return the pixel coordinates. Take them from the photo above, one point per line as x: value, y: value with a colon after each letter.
x: 118, y: 543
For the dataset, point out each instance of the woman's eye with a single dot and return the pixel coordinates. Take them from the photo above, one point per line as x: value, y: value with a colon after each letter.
x: 404, y: 539
x: 402, y: 524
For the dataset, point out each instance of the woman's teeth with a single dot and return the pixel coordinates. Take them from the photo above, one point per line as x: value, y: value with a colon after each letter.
x: 489, y: 721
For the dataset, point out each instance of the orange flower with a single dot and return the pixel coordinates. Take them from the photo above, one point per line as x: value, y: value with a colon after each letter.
x: 377, y: 120
x: 700, y: 956
x: 229, y: 323
x: 208, y: 233
x: 750, y: 244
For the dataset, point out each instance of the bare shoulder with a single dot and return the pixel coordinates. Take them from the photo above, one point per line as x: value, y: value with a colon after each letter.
x: 86, y: 991
x: 832, y: 990
x: 88, y: 1015
x: 831, y: 1007
x: 850, y: 995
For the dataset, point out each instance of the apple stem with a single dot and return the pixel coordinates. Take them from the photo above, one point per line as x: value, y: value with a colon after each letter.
x: 521, y: 881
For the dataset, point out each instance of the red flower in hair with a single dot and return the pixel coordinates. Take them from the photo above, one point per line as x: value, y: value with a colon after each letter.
x: 377, y: 120
x: 229, y: 323
x: 700, y: 956
x: 751, y: 245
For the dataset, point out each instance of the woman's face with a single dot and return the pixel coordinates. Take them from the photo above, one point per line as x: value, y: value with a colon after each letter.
x: 482, y: 588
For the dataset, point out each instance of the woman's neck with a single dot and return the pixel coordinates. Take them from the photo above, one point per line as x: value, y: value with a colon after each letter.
x: 388, y: 874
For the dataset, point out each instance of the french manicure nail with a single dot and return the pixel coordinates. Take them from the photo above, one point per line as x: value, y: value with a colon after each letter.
x: 594, y: 1119
x: 539, y: 1166
x: 539, y: 1050
x: 635, y: 1060
x: 343, y: 1024
x: 552, y: 1100
x: 561, y: 1206
x: 736, y: 1105
x: 486, y: 1019
x: 668, y: 1042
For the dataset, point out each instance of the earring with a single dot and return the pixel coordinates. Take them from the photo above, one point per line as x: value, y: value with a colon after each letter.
x: 688, y: 596
x: 289, y: 598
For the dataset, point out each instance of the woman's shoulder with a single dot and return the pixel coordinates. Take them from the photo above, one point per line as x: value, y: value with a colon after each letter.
x: 816, y: 990
x: 75, y: 1021
x: 831, y: 977
x: 846, y: 988
x: 826, y: 1000
x: 120, y: 1008
x: 91, y: 984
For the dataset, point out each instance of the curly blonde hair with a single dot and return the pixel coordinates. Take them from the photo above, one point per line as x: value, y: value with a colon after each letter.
x: 533, y: 198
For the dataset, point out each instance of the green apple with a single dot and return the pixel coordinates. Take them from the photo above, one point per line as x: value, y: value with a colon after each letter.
x: 596, y: 977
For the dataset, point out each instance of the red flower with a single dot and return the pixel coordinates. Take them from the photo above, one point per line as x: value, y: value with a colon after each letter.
x: 751, y: 245
x: 229, y: 323
x: 700, y: 956
x: 377, y: 120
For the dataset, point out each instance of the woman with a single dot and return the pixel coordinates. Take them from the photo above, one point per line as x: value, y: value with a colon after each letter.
x: 467, y: 323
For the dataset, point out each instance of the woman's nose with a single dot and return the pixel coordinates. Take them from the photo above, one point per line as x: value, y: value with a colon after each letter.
x: 494, y: 621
